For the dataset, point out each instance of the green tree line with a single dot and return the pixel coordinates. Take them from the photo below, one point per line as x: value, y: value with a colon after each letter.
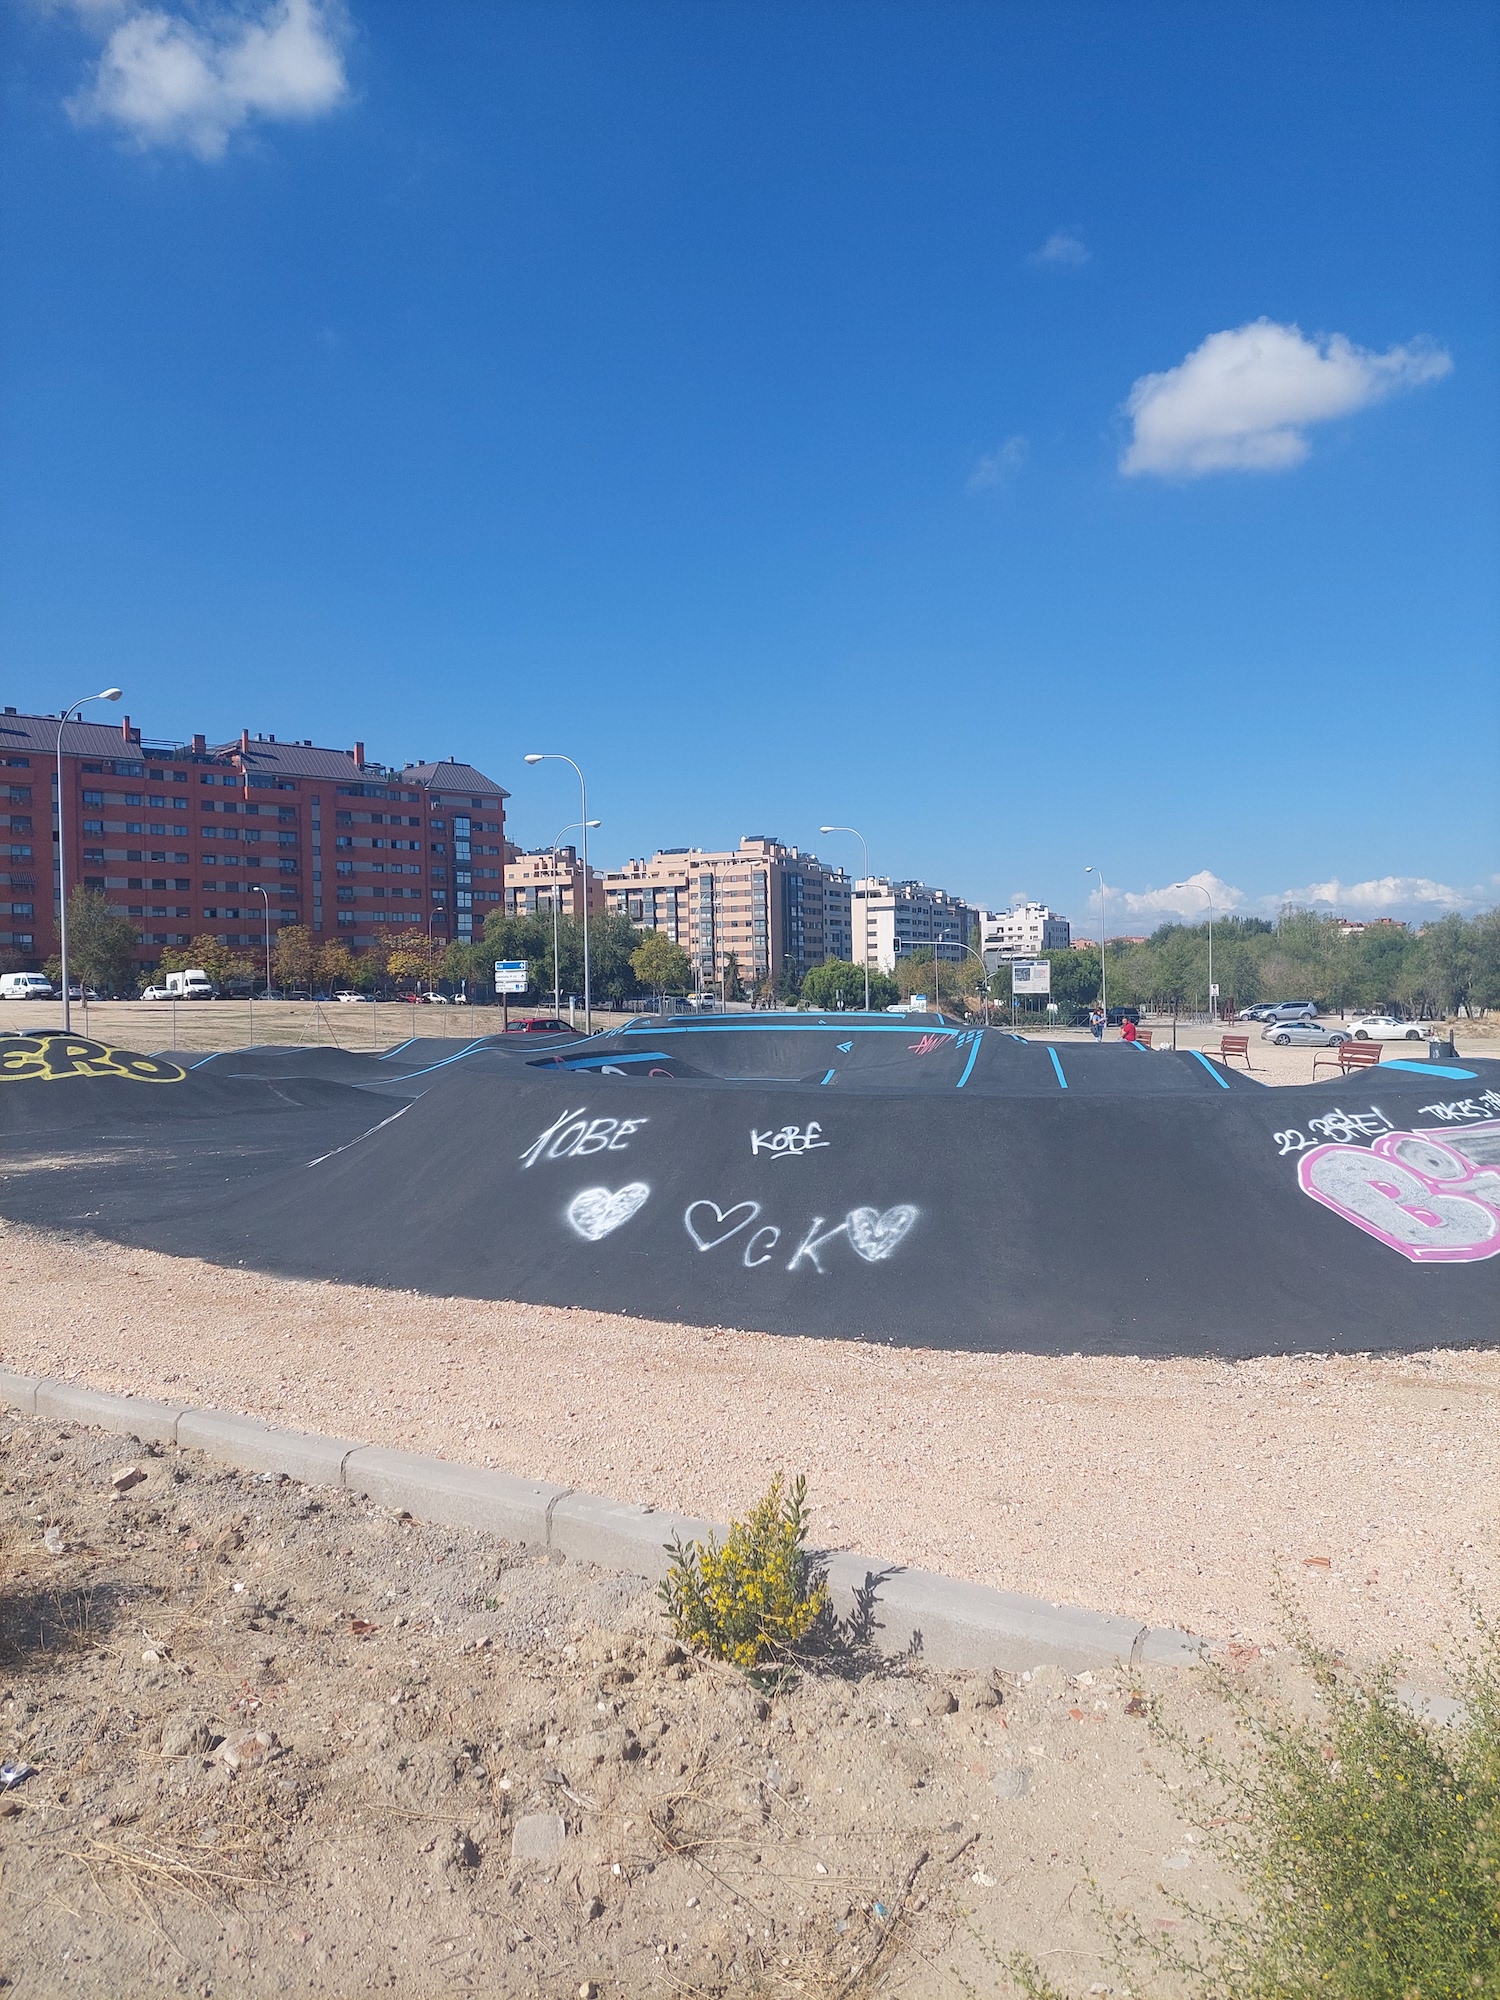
x: 1448, y: 968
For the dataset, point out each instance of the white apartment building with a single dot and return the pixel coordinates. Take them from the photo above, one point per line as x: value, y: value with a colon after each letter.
x: 1025, y: 932
x: 898, y: 918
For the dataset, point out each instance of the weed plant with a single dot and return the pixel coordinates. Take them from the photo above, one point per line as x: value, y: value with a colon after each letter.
x: 1366, y: 1838
x: 754, y: 1597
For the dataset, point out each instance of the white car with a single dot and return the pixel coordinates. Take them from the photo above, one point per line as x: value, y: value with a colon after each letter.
x: 157, y: 993
x: 1385, y: 1028
x: 351, y: 999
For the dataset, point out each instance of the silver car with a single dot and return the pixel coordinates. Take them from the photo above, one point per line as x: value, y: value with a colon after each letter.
x: 1303, y: 1035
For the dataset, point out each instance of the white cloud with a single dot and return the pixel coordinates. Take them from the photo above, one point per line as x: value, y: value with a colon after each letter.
x: 1178, y: 899
x: 1064, y: 249
x: 169, y: 82
x: 996, y: 466
x: 1412, y: 898
x: 1241, y: 401
x: 1386, y: 895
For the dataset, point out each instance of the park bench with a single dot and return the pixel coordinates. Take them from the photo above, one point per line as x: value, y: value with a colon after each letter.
x: 1347, y: 1056
x: 1231, y: 1046
x: 1143, y: 1036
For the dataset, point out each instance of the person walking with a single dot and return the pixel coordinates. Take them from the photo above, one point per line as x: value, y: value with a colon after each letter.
x: 1096, y: 1023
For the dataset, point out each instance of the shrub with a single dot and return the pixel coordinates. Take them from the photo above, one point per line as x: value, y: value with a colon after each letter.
x: 758, y: 1594
x: 1367, y: 1841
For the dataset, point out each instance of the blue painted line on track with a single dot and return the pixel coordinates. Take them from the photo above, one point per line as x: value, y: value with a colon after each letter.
x: 213, y: 1058
x: 397, y: 1049
x: 599, y: 1062
x: 916, y: 1026
x: 1062, y: 1080
x: 1434, y: 1069
x: 446, y: 1060
x: 1222, y: 1082
x: 973, y: 1053
x: 830, y: 1076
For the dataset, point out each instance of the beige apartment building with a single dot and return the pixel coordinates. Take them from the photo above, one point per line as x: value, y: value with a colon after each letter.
x: 771, y: 908
x: 549, y: 879
x: 902, y: 917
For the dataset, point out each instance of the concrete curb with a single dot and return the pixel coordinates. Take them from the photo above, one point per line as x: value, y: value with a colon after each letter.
x: 949, y: 1623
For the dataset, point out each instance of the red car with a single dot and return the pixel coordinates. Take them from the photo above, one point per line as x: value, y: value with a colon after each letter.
x: 539, y: 1027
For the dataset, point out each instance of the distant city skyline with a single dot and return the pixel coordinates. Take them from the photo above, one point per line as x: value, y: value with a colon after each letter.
x: 1042, y: 439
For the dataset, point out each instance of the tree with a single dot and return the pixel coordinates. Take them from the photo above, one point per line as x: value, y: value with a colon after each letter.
x: 101, y: 945
x: 730, y: 983
x: 470, y: 965
x: 661, y: 965
x: 838, y: 986
x: 408, y: 959
x: 612, y: 942
x: 224, y: 967
x: 337, y: 966
x: 294, y: 957
x: 914, y: 975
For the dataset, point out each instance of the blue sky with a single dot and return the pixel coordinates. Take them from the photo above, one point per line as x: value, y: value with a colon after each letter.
x: 1039, y: 435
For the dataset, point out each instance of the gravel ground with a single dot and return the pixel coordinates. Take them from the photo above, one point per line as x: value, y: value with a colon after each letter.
x: 279, y: 1739
x: 1171, y: 1491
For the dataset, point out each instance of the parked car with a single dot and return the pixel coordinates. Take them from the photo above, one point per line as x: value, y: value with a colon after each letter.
x: 352, y: 999
x: 544, y: 1025
x: 1385, y: 1028
x: 1258, y: 1012
x: 1118, y: 1016
x: 1304, y: 1034
x: 24, y: 986
x: 1291, y: 1010
x: 157, y: 993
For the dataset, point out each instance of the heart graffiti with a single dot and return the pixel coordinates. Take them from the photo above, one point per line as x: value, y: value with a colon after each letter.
x: 745, y: 1210
x: 596, y: 1211
x: 873, y: 1235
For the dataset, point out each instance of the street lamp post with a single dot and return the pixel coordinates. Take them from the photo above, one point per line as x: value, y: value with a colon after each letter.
x: 556, y: 974
x: 260, y: 890
x: 431, y: 915
x: 864, y: 948
x: 1103, y: 947
x: 1212, y: 1009
x: 109, y: 694
x: 556, y: 757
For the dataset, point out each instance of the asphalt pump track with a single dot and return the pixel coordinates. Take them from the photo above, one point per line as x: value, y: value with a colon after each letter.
x: 917, y: 1181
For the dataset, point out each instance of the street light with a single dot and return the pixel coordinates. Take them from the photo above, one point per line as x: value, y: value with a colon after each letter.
x: 1212, y: 1011
x: 556, y: 757
x: 1103, y: 948
x: 259, y: 890
x: 984, y: 983
x: 109, y: 694
x: 556, y: 975
x: 864, y: 950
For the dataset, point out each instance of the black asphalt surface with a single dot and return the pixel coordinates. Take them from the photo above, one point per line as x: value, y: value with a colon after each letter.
x: 932, y: 1191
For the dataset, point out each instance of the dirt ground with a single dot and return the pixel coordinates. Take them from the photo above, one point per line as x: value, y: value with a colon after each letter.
x: 287, y: 1741
x: 1169, y: 1491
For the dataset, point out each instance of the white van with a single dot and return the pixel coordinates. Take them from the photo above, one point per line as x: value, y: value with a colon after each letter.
x: 24, y: 986
x: 194, y: 984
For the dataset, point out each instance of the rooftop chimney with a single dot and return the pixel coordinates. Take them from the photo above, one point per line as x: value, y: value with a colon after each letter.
x: 359, y: 755
x: 244, y: 741
x: 125, y: 728
x: 200, y: 744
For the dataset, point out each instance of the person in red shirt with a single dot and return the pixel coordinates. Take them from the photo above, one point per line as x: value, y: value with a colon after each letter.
x: 1127, y: 1030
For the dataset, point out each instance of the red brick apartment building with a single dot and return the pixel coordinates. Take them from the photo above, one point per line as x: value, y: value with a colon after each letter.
x: 182, y: 838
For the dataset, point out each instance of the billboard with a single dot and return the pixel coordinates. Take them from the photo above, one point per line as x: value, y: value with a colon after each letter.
x: 510, y: 975
x: 1030, y: 975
